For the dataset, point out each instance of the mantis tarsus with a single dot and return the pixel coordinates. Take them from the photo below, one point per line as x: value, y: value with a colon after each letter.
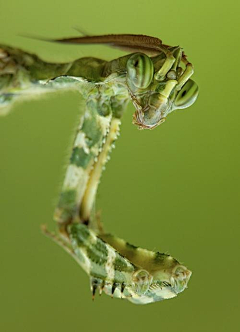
x: 156, y: 85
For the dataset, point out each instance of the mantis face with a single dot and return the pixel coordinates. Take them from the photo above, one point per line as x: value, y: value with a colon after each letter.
x: 154, y: 96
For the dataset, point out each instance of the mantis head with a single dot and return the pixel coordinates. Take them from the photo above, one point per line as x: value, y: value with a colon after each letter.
x: 158, y: 90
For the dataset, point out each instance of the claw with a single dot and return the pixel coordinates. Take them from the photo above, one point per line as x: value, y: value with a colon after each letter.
x: 101, y: 288
x: 94, y: 286
x: 114, y: 286
x: 123, y: 285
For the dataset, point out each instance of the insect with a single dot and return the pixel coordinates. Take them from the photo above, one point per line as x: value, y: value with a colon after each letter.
x: 156, y: 78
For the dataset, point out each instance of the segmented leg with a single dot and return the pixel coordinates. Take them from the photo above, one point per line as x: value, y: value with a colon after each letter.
x: 167, y: 65
x: 95, y: 174
x: 188, y: 72
x: 88, y: 144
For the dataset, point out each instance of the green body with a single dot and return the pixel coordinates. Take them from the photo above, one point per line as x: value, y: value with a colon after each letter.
x: 156, y: 86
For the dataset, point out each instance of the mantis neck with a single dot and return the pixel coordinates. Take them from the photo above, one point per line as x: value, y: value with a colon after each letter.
x: 25, y: 75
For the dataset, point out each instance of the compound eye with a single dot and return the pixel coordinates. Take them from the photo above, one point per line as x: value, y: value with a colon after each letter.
x: 187, y: 95
x: 140, y: 70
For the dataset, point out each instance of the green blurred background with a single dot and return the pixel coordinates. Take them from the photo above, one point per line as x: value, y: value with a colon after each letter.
x: 174, y: 189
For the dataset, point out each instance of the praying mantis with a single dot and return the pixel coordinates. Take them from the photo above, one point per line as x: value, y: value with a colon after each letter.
x: 156, y: 78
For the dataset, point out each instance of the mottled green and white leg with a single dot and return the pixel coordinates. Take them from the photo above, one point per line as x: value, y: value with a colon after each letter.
x: 96, y: 133
x: 122, y: 270
x: 91, y: 132
x: 95, y: 174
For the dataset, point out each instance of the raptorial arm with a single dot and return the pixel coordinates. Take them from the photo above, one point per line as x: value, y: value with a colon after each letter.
x: 96, y: 133
x: 156, y: 86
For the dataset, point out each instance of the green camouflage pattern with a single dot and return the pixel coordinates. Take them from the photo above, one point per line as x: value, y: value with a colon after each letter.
x: 156, y: 86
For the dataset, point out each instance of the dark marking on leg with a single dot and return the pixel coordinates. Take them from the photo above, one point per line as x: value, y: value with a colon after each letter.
x: 101, y: 287
x: 80, y: 233
x: 131, y: 246
x: 114, y: 286
x: 160, y: 257
x: 94, y: 288
x: 85, y: 222
x: 123, y: 285
x: 80, y: 158
x: 166, y: 284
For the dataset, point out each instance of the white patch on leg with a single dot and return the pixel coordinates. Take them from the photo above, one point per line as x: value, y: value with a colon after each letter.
x: 110, y: 264
x: 87, y: 263
x: 104, y: 123
x: 74, y: 176
x: 80, y: 142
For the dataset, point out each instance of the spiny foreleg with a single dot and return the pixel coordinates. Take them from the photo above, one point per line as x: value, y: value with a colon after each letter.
x: 87, y: 146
